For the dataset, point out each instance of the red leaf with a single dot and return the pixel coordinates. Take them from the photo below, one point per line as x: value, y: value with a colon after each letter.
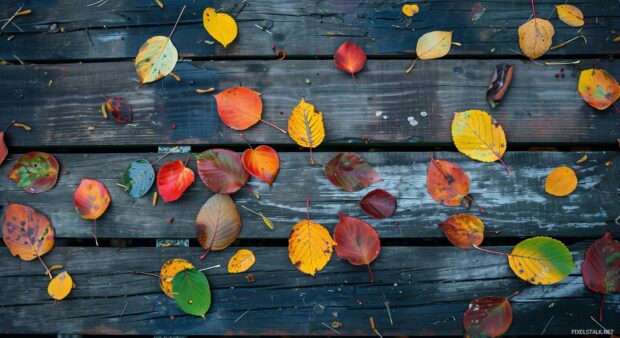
x: 378, y: 204
x: 120, y: 109
x: 239, y: 107
x: 350, y: 58
x: 262, y: 162
x: 489, y: 316
x: 222, y: 170
x: 90, y: 200
x: 357, y: 241
x: 350, y: 172
x: 173, y: 179
x: 4, y: 151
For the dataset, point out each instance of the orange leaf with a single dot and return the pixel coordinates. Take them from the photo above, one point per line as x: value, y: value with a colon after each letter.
x: 446, y: 182
x: 350, y: 58
x: 239, y: 107
x: 27, y: 232
x: 598, y: 88
x: 173, y: 179
x: 262, y: 162
x: 463, y: 231
x: 90, y: 200
x: 561, y: 181
x: 357, y: 240
x: 168, y: 271
x: 535, y: 37
x: 241, y: 261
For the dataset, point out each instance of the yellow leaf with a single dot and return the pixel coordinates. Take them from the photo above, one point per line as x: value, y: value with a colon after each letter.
x: 561, y: 181
x: 570, y: 15
x: 582, y: 159
x: 433, y: 45
x: 241, y: 261
x: 60, y: 286
x: 410, y: 10
x: 310, y: 247
x: 305, y: 125
x: 476, y: 135
x: 535, y: 37
x: 267, y: 221
x: 221, y: 26
x: 168, y: 271
x: 156, y: 59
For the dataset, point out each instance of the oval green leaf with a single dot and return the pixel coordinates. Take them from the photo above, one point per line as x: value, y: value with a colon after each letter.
x: 350, y: 172
x: 138, y: 178
x: 541, y: 260
x: 35, y: 172
x: 191, y: 291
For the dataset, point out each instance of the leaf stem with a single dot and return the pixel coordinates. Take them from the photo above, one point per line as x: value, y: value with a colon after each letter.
x: 308, y: 208
x: 600, y: 311
x: 204, y: 255
x: 615, y: 107
x: 209, y: 268
x: 173, y: 149
x: 355, y: 81
x: 250, y: 210
x: 533, y: 10
x: 505, y: 166
x: 47, y: 270
x: 9, y: 126
x: 95, y: 231
x: 372, y: 278
x: 492, y: 251
x: 274, y: 126
x: 179, y: 19
x: 146, y: 274
x: 246, y: 140
x: 412, y: 65
x: 476, y: 203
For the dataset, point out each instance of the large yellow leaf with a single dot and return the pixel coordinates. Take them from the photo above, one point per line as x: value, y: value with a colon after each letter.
x: 310, y: 247
x: 535, y: 37
x: 570, y: 15
x: 541, y: 260
x: 156, y: 59
x: 221, y: 26
x: 305, y: 126
x: 433, y: 45
x: 478, y: 136
x: 241, y: 261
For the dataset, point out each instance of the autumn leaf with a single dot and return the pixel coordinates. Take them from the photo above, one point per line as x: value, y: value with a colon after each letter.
x: 448, y: 184
x: 378, y: 204
x: 601, y: 268
x: 90, y: 200
x: 357, y: 240
x: 169, y: 270
x: 60, y: 286
x: 488, y: 316
x: 173, y: 179
x: 305, y: 126
x: 4, y: 151
x: 478, y: 136
x: 561, y: 181
x: 138, y: 178
x: 239, y: 107
x: 262, y: 162
x: 265, y: 219
x: 222, y: 170
x: 535, y: 37
x: 35, y: 172
x: 350, y: 172
x: 350, y: 58
x: 464, y: 231
x: 242, y: 261
x: 541, y: 260
x: 157, y: 58
x: 218, y: 223
x: 119, y: 109
x: 598, y: 88
x: 191, y: 291
x: 221, y: 26
x: 27, y: 232
x: 499, y: 84
x: 570, y: 15
x: 433, y: 45
x: 410, y: 9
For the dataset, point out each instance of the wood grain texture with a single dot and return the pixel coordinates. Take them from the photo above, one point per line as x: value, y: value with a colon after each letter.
x: 428, y: 294
x: 302, y: 28
x: 61, y: 101
x: 515, y: 205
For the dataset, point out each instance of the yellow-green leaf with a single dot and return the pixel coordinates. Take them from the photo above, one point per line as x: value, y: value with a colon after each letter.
x: 541, y: 260
x: 156, y: 59
x: 221, y: 26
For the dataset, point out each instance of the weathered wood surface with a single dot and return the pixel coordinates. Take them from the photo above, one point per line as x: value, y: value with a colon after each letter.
x: 61, y: 101
x: 427, y: 288
x: 515, y: 205
x: 302, y: 28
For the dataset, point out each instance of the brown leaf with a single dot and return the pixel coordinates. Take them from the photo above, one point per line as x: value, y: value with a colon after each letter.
x: 499, y: 84
x: 218, y: 223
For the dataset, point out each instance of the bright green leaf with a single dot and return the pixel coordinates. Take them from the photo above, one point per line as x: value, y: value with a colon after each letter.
x: 191, y: 291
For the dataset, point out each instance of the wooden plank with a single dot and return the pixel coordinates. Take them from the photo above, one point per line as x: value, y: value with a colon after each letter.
x: 62, y: 101
x: 427, y: 295
x: 302, y: 28
x: 515, y: 205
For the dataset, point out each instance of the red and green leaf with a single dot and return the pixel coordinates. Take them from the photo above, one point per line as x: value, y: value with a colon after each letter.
x: 262, y: 162
x: 173, y: 179
x: 489, y: 316
x: 357, y: 241
x: 222, y: 170
x: 35, y: 172
x: 378, y: 204
x: 350, y: 172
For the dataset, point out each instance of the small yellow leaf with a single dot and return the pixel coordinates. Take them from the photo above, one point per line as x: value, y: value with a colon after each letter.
x: 221, y: 26
x: 60, y: 286
x: 535, y: 37
x: 156, y: 59
x: 570, y: 15
x: 154, y: 199
x: 267, y: 221
x: 582, y: 159
x: 433, y: 45
x: 241, y: 261
x: 204, y: 91
x: 410, y: 9
x: 310, y: 247
x: 169, y: 270
x: 561, y: 181
x: 476, y: 135
x: 305, y: 125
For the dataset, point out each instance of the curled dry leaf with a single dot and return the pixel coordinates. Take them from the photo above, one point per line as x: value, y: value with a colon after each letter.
x: 601, y: 268
x: 222, y: 170
x: 221, y: 26
x: 262, y: 162
x: 357, y: 240
x: 168, y: 271
x: 535, y: 37
x: 156, y: 59
x: 562, y: 181
x: 305, y: 126
x: 447, y: 183
x: 35, y: 172
x: 310, y: 247
x: 242, y: 261
x: 570, y: 15
x: 598, y: 88
x: 60, y: 286
x: 488, y: 316
x: 173, y: 179
x: 239, y: 107
x: 433, y: 45
x: 192, y: 292
x: 410, y: 9
x: 499, y: 84
x: 541, y: 260
x: 350, y: 172
x: 350, y: 58
x: 119, y: 109
x: 138, y: 178
x: 378, y: 204
x: 27, y: 232
x: 477, y: 10
x: 463, y: 230
x: 218, y: 223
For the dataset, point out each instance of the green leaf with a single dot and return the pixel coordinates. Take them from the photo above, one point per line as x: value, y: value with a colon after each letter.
x: 541, y: 260
x: 138, y: 178
x: 35, y: 172
x: 191, y: 291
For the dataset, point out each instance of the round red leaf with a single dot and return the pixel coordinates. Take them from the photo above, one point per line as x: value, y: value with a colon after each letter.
x: 379, y: 204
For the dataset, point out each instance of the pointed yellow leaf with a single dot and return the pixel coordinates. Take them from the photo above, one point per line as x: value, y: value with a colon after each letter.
x: 305, y: 125
x: 267, y: 221
x: 60, y: 286
x: 433, y: 45
x: 241, y: 261
x: 221, y: 26
x: 310, y: 247
x: 535, y: 37
x: 156, y: 59
x: 570, y: 15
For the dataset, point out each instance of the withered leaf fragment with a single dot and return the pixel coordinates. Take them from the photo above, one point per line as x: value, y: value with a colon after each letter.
x: 499, y: 84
